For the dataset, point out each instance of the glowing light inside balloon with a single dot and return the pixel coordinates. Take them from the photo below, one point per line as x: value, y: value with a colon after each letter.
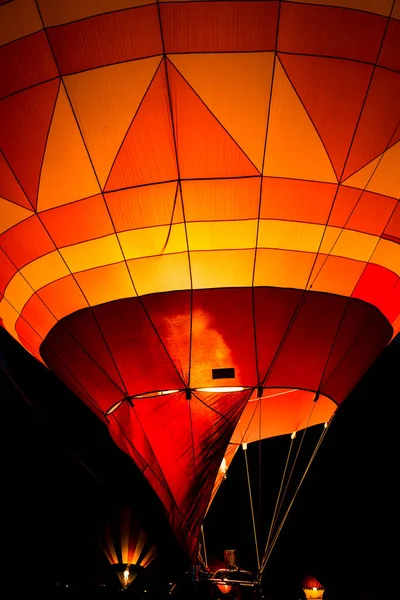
x: 220, y: 389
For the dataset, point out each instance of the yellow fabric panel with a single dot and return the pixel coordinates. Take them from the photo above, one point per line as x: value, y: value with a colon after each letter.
x: 56, y: 12
x: 290, y: 235
x: 335, y: 275
x: 222, y: 268
x: 105, y: 101
x: 66, y: 166
x: 17, y: 292
x: 221, y: 199
x: 222, y: 235
x: 283, y: 268
x: 9, y: 316
x: 387, y: 254
x: 153, y: 241
x: 18, y: 19
x: 104, y: 284
x: 11, y: 214
x: 294, y: 148
x: 381, y: 175
x: 160, y: 273
x: 352, y: 244
x: 94, y: 253
x: 379, y: 7
x: 236, y: 89
x: 144, y: 206
x: 44, y: 270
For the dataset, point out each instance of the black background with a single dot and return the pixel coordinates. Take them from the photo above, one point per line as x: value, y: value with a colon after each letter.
x: 64, y: 479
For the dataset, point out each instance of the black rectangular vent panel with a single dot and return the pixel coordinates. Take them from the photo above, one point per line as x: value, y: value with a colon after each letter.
x: 223, y: 373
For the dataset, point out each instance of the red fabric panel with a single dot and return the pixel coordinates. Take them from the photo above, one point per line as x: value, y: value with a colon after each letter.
x: 183, y: 447
x: 24, y: 125
x: 9, y: 186
x: 330, y: 31
x: 378, y: 128
x: 219, y: 26
x: 26, y: 62
x: 7, y: 270
x: 26, y: 241
x: 390, y: 53
x: 204, y: 148
x: 149, y: 369
x: 376, y: 285
x: 84, y: 358
x: 223, y: 321
x: 106, y: 39
x: 333, y: 93
x: 147, y: 154
x: 361, y: 338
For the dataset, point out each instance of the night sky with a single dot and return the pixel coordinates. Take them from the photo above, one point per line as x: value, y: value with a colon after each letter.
x: 64, y: 478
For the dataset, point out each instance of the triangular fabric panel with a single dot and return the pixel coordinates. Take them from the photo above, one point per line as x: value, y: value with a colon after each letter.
x: 148, y: 153
x: 381, y: 175
x: 378, y: 128
x: 24, y: 126
x: 333, y: 92
x: 66, y: 167
x: 204, y: 148
x: 105, y: 101
x: 9, y: 186
x: 294, y: 148
x: 236, y: 89
x: 11, y: 214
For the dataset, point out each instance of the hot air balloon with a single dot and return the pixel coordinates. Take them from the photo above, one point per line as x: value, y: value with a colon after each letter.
x: 126, y: 547
x: 199, y: 214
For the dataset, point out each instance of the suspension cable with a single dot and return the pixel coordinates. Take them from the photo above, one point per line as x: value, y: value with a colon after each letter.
x: 268, y: 551
x: 204, y: 546
x: 244, y: 446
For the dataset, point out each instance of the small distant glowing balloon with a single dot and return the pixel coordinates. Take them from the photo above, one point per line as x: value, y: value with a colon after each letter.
x: 127, y: 548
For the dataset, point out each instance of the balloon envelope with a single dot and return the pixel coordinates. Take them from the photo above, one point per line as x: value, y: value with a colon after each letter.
x: 199, y: 195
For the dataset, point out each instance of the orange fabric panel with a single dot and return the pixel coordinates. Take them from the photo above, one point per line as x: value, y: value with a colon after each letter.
x: 77, y: 222
x: 62, y: 297
x: 283, y: 268
x: 221, y: 199
x: 296, y: 200
x: 393, y: 226
x: 335, y: 274
x: 236, y: 88
x: 105, y: 101
x: 380, y: 7
x: 66, y: 172
x: 38, y: 315
x: 294, y: 148
x: 26, y: 241
x: 204, y: 148
x: 145, y: 206
x: 362, y: 211
x: 147, y: 154
x: 11, y: 214
x: 119, y: 284
x: 18, y: 19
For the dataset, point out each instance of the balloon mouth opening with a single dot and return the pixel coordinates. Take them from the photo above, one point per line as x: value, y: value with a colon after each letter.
x: 188, y: 391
